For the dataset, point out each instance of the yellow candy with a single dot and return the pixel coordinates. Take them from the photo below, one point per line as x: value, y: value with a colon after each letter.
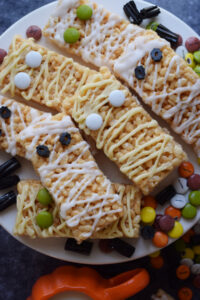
x: 189, y: 58
x: 155, y: 254
x: 196, y: 250
x: 177, y: 231
x: 188, y: 253
x: 148, y: 215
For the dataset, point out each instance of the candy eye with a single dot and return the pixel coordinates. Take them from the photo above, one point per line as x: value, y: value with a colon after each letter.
x: 156, y: 55
x: 71, y: 35
x: 44, y: 219
x: 5, y: 112
x: 44, y: 197
x: 43, y: 151
x: 116, y: 98
x: 33, y: 59
x: 84, y: 12
x: 22, y: 80
x: 94, y: 121
x: 65, y: 138
x: 140, y: 72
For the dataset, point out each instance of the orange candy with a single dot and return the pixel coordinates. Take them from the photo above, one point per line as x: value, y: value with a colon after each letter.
x: 173, y: 212
x: 157, y: 262
x: 186, y: 169
x: 149, y: 201
x: 187, y: 236
x: 160, y: 239
x: 183, y: 272
x: 185, y: 293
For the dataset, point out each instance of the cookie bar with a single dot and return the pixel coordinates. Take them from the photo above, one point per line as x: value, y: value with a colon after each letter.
x: 129, y: 136
x: 169, y: 86
x: 67, y: 169
x: 14, y: 117
x: 28, y: 208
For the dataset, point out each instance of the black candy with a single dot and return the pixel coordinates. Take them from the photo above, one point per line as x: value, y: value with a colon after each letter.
x: 122, y: 247
x: 150, y: 12
x: 147, y: 232
x: 140, y: 72
x: 84, y: 248
x: 43, y: 151
x: 7, y: 199
x: 9, y: 166
x: 65, y: 138
x: 5, y: 112
x: 165, y: 195
x: 8, y: 181
x: 132, y: 13
x: 156, y: 54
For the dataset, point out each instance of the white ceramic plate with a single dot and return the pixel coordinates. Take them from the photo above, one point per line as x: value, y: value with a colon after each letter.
x: 55, y: 246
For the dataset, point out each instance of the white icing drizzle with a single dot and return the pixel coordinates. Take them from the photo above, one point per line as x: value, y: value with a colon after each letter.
x: 60, y: 169
x: 9, y: 128
x: 94, y: 47
x: 97, y: 46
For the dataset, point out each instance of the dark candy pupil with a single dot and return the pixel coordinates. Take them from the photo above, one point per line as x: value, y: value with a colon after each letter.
x: 65, y: 138
x: 43, y: 151
x: 5, y: 112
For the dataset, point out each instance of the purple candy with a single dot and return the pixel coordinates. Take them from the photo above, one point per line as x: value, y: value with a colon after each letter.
x: 166, y: 223
x: 192, y: 44
x: 194, y: 182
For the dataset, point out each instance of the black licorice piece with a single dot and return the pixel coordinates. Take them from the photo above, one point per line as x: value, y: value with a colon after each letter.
x: 8, y: 181
x: 84, y: 248
x: 167, y: 34
x: 7, y: 199
x: 132, y: 13
x: 9, y: 166
x: 165, y: 195
x: 122, y: 247
x: 150, y: 12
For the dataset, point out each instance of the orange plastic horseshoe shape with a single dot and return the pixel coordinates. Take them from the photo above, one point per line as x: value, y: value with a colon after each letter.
x: 89, y: 282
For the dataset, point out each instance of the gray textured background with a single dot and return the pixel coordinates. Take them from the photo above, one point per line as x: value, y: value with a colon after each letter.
x: 19, y: 265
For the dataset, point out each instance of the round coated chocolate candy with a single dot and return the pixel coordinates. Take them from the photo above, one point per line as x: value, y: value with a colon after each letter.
x: 186, y: 169
x: 192, y: 44
x: 187, y: 261
x: 166, y: 223
x: 156, y: 222
x: 189, y: 58
x: 195, y: 269
x: 22, y: 80
x: 197, y: 56
x: 33, y: 59
x: 147, y: 232
x: 177, y: 231
x: 43, y: 151
x: 196, y: 281
x: 173, y: 212
x: 3, y: 53
x: 178, y: 201
x: 188, y: 253
x: 194, y: 182
x: 180, y: 186
x: 140, y: 72
x: 185, y: 293
x: 94, y: 121
x: 160, y: 239
x: 34, y: 31
x: 5, y: 112
x: 189, y: 211
x: 183, y: 272
x: 196, y: 249
x: 148, y: 215
x: 116, y: 98
x: 156, y: 54
x: 197, y: 69
x: 194, y: 198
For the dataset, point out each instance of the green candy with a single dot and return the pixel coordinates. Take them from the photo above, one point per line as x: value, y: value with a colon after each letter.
x: 197, y: 69
x: 84, y: 12
x: 44, y: 219
x: 197, y: 56
x: 180, y: 245
x: 153, y: 26
x: 71, y: 35
x: 189, y: 211
x: 44, y: 197
x: 194, y: 198
x: 197, y: 259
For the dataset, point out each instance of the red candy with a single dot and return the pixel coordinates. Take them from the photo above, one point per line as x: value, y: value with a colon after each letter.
x: 166, y: 223
x: 180, y: 40
x: 196, y: 282
x: 194, y: 182
x: 192, y: 44
x: 34, y: 32
x: 3, y: 53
